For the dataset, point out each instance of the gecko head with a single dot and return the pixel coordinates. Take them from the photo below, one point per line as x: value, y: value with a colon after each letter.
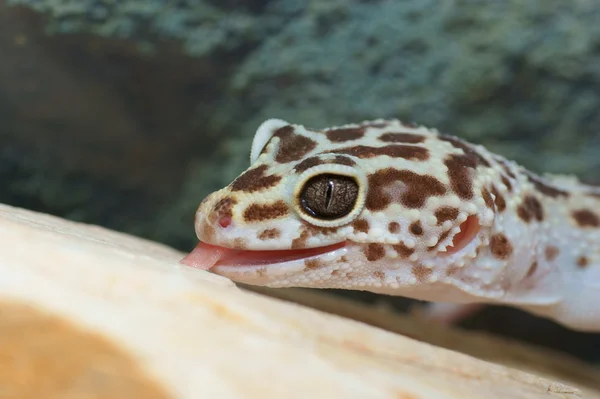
x: 371, y: 206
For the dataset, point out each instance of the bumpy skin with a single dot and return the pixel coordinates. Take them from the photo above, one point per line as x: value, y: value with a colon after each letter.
x: 532, y: 242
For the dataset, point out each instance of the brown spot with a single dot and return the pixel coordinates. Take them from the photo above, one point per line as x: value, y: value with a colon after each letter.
x: 262, y: 272
x: 551, y: 252
x: 379, y: 274
x: 421, y: 273
x: 498, y: 199
x: 582, y: 262
x: 530, y: 208
x: 47, y: 356
x: 586, y: 218
x: 269, y: 234
x: 311, y: 264
x: 374, y: 252
x: 255, y: 180
x: 361, y: 225
x: 487, y: 197
x: 239, y: 243
x: 470, y: 151
x: 394, y: 227
x: 343, y: 259
x: 314, y: 161
x: 403, y: 250
x: 342, y: 160
x: 460, y: 173
x: 532, y: 269
x: 461, y: 167
x: 335, y: 273
x: 260, y: 212
x: 506, y: 168
x: 545, y: 188
x: 418, y: 188
x: 416, y: 228
x: 292, y: 146
x: 395, y: 151
x: 223, y: 208
x: 506, y: 183
x: 500, y: 246
x: 314, y: 230
x: 307, y: 164
x: 345, y: 134
x: 408, y: 138
x: 446, y: 213
x: 308, y: 231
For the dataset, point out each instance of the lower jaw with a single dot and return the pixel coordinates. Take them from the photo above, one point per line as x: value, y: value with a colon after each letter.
x: 245, y: 258
x: 265, y: 272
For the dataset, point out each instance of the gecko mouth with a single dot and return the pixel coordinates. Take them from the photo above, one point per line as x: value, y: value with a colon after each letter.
x: 206, y: 256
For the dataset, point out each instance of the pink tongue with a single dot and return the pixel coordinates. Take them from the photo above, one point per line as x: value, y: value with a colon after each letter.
x: 204, y: 256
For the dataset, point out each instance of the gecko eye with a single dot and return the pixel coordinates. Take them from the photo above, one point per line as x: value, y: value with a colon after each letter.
x: 329, y: 196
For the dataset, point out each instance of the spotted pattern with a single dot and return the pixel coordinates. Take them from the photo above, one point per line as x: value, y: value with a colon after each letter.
x: 312, y: 264
x: 460, y: 173
x: 315, y: 161
x: 254, y: 180
x: 292, y: 147
x: 262, y: 212
x: 531, y: 209
x: 421, y: 273
x: 341, y: 160
x: 545, y: 188
x: 487, y: 197
x: 403, y: 251
x: 361, y: 225
x: 394, y: 151
x: 269, y: 234
x: 419, y: 193
x: 586, y: 218
x: 416, y: 228
x: 223, y: 208
x: 506, y: 183
x: 307, y: 164
x: 374, y: 252
x: 418, y: 188
x: 345, y: 134
x: 408, y: 138
x: 499, y: 200
x: 471, y: 155
x: 500, y: 246
x: 445, y: 214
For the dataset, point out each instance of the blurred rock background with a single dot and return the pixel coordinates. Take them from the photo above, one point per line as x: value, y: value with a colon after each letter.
x: 126, y: 113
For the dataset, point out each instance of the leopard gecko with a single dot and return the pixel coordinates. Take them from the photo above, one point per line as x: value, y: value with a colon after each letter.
x: 401, y: 209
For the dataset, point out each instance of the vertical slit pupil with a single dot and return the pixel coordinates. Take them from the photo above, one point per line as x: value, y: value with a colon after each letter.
x: 329, y: 196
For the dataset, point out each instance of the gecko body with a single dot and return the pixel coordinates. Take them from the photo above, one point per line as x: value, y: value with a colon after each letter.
x: 405, y: 210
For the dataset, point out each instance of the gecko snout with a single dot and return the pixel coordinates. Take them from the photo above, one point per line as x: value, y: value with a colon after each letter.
x: 213, y: 216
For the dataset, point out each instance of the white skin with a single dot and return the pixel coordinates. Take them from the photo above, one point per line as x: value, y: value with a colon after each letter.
x: 405, y: 211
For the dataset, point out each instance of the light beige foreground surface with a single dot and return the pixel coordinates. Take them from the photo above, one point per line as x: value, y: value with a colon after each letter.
x: 90, y: 313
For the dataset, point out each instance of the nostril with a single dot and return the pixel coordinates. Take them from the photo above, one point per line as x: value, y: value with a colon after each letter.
x: 224, y: 221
